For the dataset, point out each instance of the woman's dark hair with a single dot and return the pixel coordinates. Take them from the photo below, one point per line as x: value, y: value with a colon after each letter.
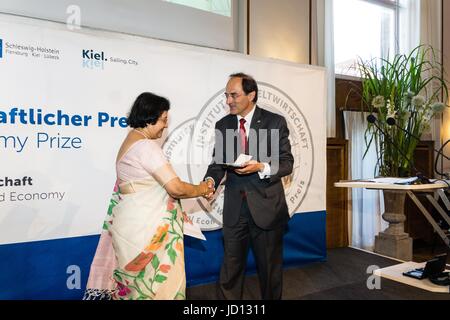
x: 248, y: 84
x: 147, y: 109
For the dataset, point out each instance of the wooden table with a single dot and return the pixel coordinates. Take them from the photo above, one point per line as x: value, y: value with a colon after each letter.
x: 394, y: 241
x: 395, y: 273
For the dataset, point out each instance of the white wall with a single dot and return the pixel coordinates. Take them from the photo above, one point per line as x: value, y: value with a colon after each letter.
x: 151, y: 18
x: 280, y: 29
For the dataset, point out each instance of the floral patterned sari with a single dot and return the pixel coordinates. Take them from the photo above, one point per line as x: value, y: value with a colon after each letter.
x: 140, y: 254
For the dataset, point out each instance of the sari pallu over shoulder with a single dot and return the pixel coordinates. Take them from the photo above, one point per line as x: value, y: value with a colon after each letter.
x: 140, y: 254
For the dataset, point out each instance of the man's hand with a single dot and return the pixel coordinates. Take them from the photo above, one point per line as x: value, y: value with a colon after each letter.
x: 210, y: 184
x: 250, y: 167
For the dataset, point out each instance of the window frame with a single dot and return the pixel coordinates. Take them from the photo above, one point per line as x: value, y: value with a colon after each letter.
x: 395, y: 6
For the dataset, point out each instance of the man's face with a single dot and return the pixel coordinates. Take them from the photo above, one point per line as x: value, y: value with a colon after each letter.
x: 239, y: 103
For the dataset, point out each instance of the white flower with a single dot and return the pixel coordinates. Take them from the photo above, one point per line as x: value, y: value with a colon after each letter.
x: 378, y: 102
x: 391, y: 114
x: 418, y: 101
x: 438, y: 107
x: 390, y: 107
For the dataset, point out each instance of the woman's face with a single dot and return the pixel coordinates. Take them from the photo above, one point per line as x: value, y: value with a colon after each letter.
x: 156, y: 130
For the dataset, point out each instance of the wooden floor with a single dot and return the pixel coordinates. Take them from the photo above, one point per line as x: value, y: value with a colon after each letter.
x: 343, y: 276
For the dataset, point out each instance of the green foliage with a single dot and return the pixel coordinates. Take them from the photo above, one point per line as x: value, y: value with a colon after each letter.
x: 407, y: 89
x: 172, y: 255
x: 160, y: 278
x: 155, y: 262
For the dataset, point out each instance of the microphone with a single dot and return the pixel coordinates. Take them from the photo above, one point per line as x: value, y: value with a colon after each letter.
x: 373, y: 120
x: 391, y: 121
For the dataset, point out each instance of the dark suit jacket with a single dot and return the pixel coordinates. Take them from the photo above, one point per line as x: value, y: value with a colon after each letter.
x: 265, y: 197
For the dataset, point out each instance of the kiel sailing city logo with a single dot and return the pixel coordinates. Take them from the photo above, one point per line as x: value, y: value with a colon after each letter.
x: 96, y: 60
x: 93, y: 60
x: 189, y: 148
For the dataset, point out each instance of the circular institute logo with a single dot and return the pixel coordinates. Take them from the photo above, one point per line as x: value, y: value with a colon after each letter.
x: 190, y: 146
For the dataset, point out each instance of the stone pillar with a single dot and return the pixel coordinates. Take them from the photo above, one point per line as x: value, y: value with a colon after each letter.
x: 394, y: 241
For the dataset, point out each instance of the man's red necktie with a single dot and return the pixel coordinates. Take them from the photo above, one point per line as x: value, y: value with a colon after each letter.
x: 243, y: 136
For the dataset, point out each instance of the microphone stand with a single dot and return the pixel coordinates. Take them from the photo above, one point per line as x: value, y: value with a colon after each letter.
x: 372, y: 119
x: 440, y: 152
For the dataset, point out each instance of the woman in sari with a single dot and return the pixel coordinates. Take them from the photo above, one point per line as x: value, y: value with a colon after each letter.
x: 140, y: 254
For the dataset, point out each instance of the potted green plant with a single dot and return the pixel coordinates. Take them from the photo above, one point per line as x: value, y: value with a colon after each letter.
x: 403, y: 93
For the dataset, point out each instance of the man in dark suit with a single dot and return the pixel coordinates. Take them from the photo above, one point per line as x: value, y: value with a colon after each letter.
x: 255, y: 212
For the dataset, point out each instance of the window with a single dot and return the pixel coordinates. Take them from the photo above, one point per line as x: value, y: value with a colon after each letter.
x: 222, y: 7
x: 365, y: 29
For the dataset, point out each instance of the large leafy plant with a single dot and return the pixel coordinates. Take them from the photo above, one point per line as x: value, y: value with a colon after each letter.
x: 403, y: 93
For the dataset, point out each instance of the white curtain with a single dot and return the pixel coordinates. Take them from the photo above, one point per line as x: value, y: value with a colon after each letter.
x: 431, y: 34
x: 409, y: 25
x: 322, y: 54
x: 367, y: 205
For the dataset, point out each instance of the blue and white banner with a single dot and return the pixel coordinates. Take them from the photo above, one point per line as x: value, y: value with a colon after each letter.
x: 64, y: 96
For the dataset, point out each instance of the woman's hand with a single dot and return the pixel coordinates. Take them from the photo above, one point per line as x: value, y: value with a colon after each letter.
x: 207, y: 188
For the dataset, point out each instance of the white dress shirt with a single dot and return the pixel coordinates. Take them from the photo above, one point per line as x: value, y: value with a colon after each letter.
x: 248, y: 120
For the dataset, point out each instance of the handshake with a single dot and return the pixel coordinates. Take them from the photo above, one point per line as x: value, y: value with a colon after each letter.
x: 207, y: 188
x: 243, y: 166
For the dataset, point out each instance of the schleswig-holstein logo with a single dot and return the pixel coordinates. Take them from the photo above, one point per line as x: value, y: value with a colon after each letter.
x: 189, y: 148
x: 1, y: 48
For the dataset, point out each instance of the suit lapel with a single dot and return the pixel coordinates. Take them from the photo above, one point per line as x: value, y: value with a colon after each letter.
x: 256, y: 120
x: 255, y: 125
